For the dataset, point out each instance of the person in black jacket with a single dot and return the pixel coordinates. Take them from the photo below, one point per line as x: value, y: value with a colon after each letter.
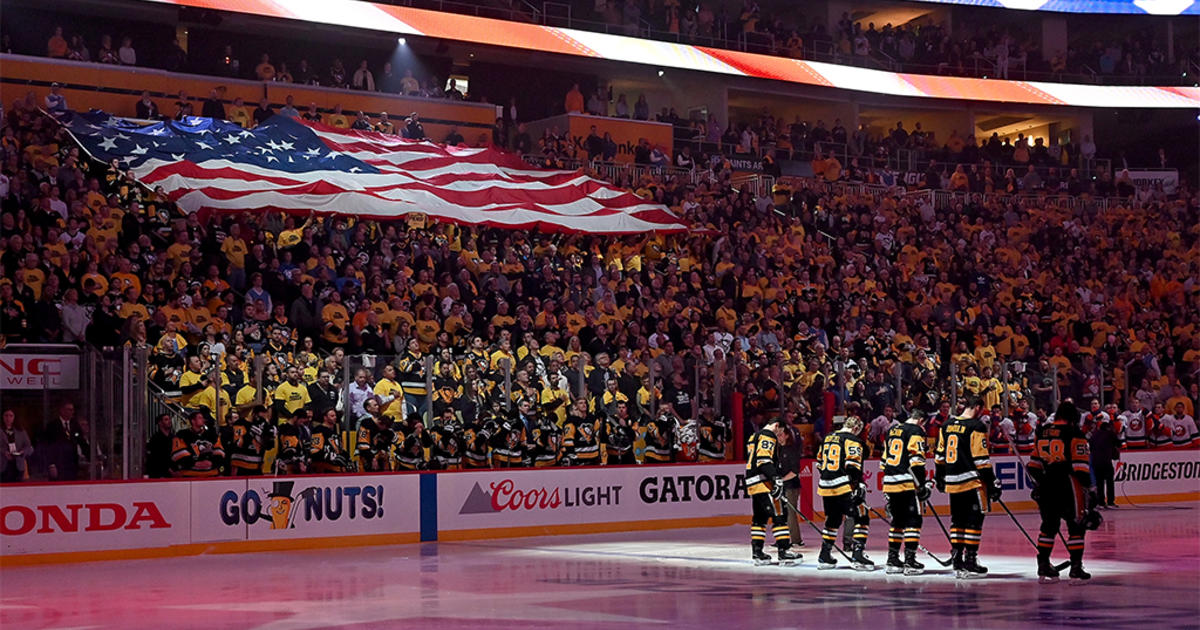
x: 158, y: 449
x: 1105, y: 446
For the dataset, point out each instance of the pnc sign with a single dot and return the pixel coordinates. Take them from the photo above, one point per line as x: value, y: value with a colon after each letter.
x: 39, y: 371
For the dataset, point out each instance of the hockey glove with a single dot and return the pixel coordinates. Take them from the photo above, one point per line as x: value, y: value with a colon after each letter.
x: 858, y: 496
x: 1036, y: 494
x: 939, y: 480
x: 995, y: 491
x: 923, y: 492
x: 777, y: 488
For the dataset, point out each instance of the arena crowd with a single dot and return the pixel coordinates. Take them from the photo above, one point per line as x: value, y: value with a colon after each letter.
x: 820, y: 299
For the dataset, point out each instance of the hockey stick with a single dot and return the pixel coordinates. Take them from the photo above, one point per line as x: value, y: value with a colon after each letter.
x: 944, y: 563
x: 935, y: 514
x: 800, y: 515
x: 1060, y: 566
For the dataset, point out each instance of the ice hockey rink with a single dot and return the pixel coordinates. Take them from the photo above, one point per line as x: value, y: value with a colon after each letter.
x: 1145, y: 564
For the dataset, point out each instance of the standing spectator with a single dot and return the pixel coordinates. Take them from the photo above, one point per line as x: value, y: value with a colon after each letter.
x: 56, y: 47
x: 337, y: 118
x: 312, y: 115
x: 127, y: 54
x: 363, y: 78
x: 107, y: 54
x: 15, y: 449
x: 409, y: 86
x: 361, y: 122
x: 337, y: 73
x: 573, y: 103
x: 305, y: 76
x: 183, y: 106
x: 158, y: 449
x: 240, y: 114
x: 176, y: 58
x: 289, y: 107
x: 262, y: 112
x: 265, y: 70
x: 75, y: 317
x: 1104, y: 443
x: 146, y: 108
x: 454, y: 138
x: 79, y: 51
x: 452, y: 91
x: 283, y: 76
x: 55, y: 101
x: 213, y: 106
x: 60, y: 441
x: 228, y: 65
x: 641, y: 109
x: 385, y: 125
x: 1087, y: 150
x: 388, y: 81
x: 596, y: 105
x: 413, y: 129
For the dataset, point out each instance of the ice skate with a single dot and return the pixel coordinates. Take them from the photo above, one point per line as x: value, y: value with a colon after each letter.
x: 859, y: 560
x: 1047, y: 574
x: 788, y: 558
x: 911, y: 566
x: 894, y: 566
x: 826, y: 560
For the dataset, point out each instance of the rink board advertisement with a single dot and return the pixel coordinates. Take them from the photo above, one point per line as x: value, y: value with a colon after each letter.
x: 1140, y: 475
x: 87, y: 517
x: 533, y: 499
x: 193, y: 515
x: 271, y: 508
x: 93, y: 521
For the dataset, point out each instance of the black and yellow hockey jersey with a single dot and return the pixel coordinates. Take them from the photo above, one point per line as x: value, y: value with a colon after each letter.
x: 325, y: 450
x: 249, y: 440
x: 962, y: 456
x: 903, y: 457
x: 660, y: 440
x: 475, y: 437
x: 1061, y: 451
x: 445, y: 446
x: 546, y: 443
x: 762, y: 462
x: 509, y: 444
x: 197, y: 453
x: 293, y: 443
x: 840, y: 463
x: 374, y: 445
x: 713, y: 435
x: 581, y: 439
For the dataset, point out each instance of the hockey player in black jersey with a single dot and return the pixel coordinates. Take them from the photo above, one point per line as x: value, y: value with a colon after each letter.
x: 619, y: 433
x: 325, y: 448
x: 252, y: 438
x: 374, y: 439
x: 843, y: 493
x: 903, y: 467
x: 764, y: 484
x: 713, y: 434
x: 964, y: 471
x: 1059, y: 468
x: 294, y: 439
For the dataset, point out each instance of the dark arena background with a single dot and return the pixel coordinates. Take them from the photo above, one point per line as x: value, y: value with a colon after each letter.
x: 599, y: 314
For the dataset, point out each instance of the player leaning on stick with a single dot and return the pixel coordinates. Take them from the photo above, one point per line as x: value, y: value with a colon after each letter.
x: 964, y: 471
x: 903, y: 466
x: 764, y: 484
x: 843, y: 494
x: 1059, y: 468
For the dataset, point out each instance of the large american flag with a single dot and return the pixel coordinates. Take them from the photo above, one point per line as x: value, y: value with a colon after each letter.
x: 298, y: 166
